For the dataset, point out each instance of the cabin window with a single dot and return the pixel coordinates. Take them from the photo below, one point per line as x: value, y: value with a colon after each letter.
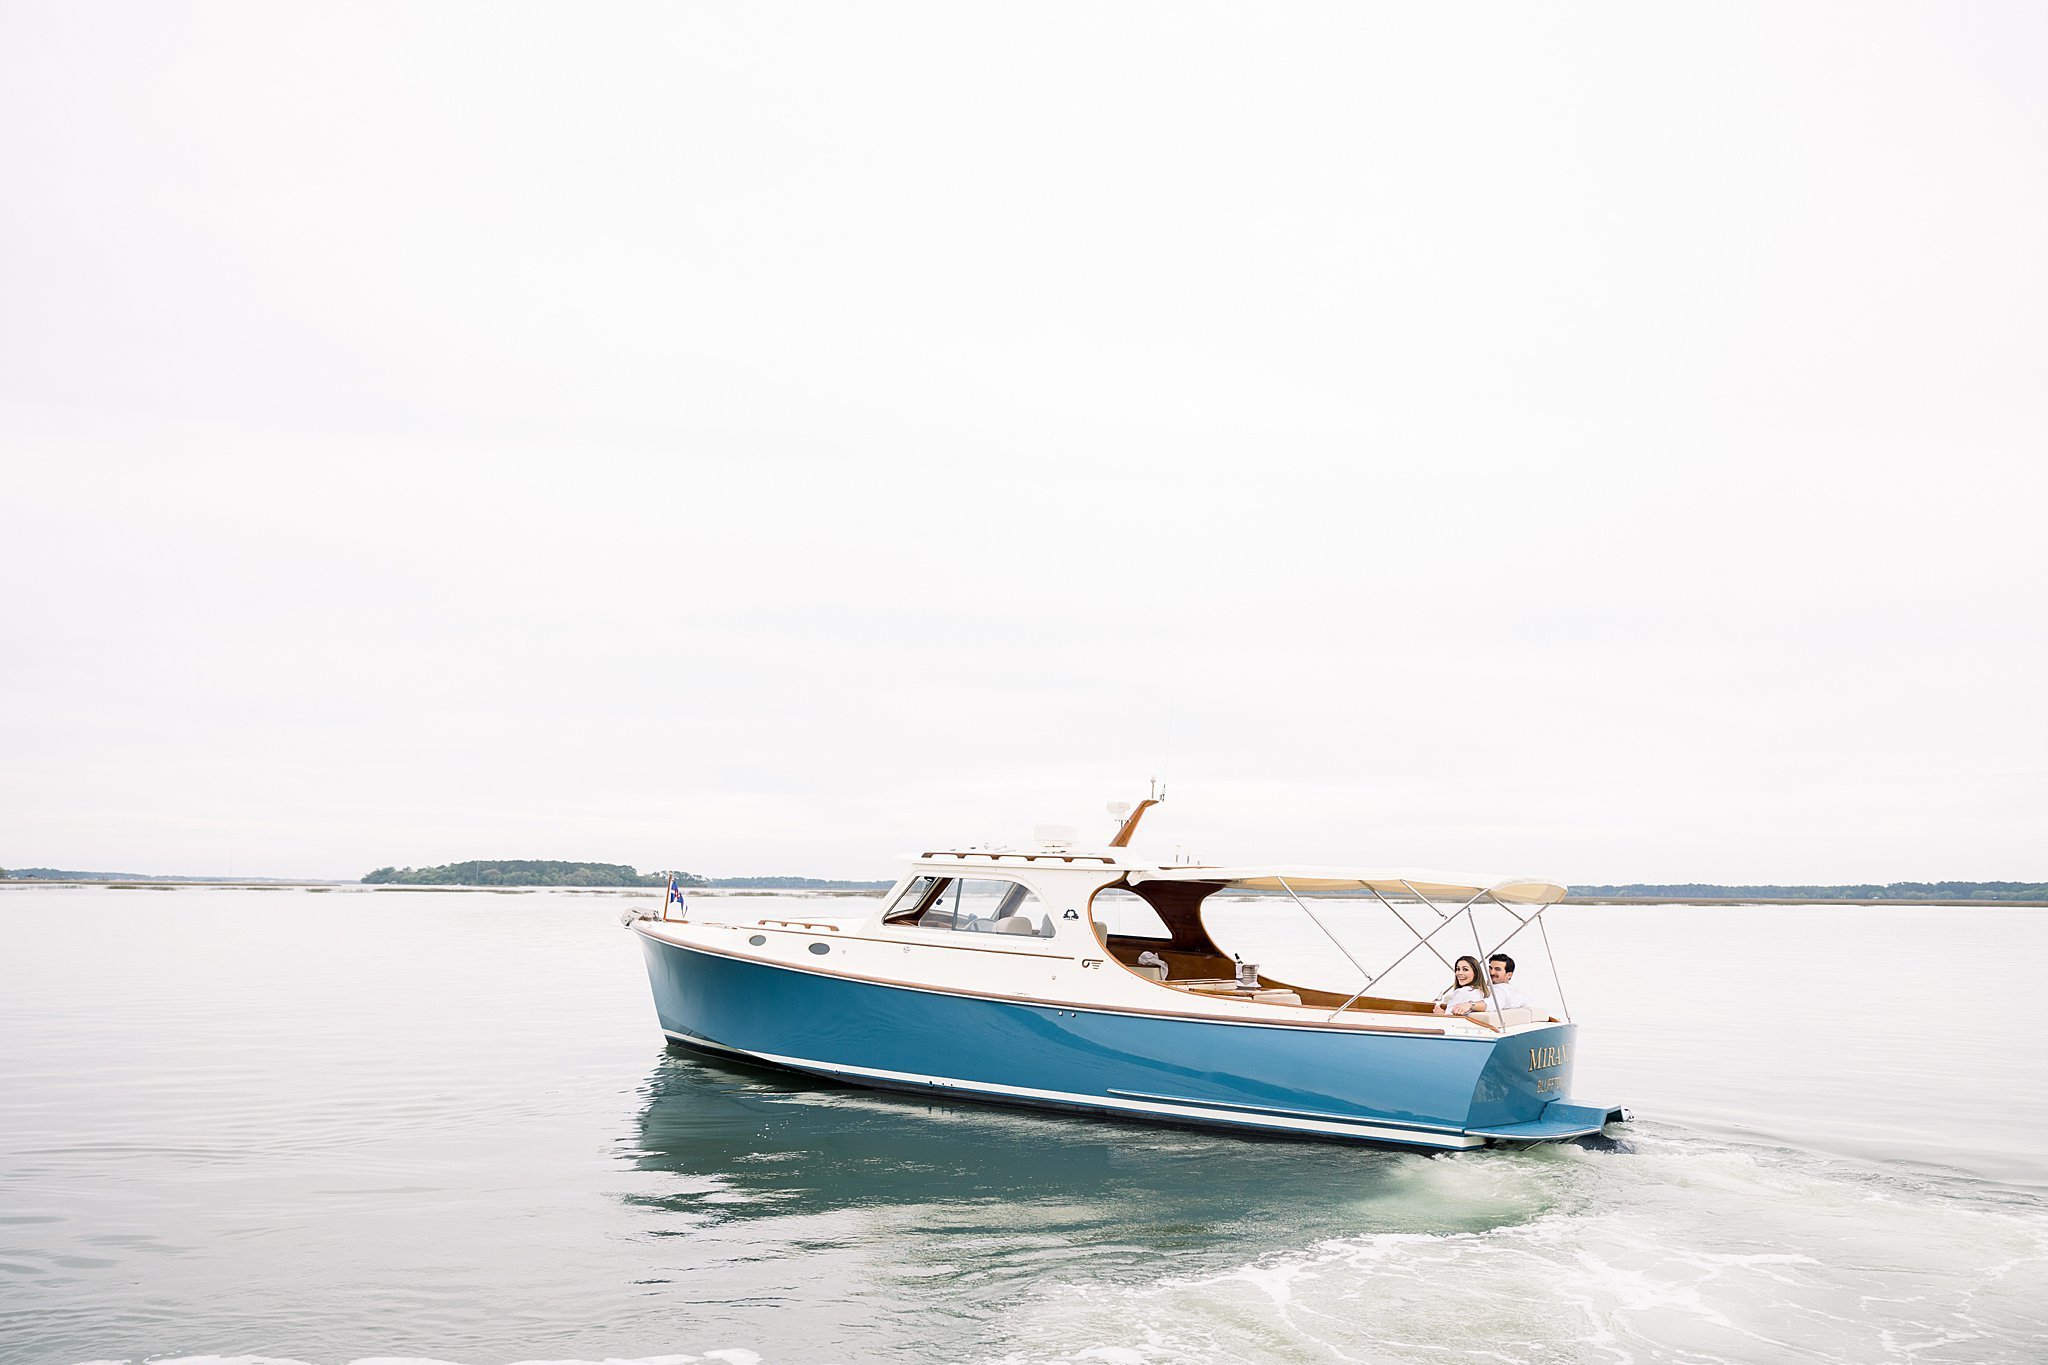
x: 1125, y: 914
x: 916, y: 897
x: 971, y: 905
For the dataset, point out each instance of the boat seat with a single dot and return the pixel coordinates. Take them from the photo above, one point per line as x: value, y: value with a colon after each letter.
x: 1102, y: 934
x: 943, y: 919
x: 1014, y: 924
x: 1276, y: 997
x: 1517, y: 1015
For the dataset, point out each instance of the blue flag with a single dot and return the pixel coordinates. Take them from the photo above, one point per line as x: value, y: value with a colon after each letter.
x: 675, y: 897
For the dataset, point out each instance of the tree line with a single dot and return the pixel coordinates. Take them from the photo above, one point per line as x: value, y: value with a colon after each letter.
x: 525, y: 872
x: 1894, y: 891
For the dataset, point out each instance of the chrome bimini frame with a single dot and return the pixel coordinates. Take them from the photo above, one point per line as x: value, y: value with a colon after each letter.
x: 1445, y: 918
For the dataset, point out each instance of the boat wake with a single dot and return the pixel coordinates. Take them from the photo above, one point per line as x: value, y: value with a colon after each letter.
x: 1680, y: 1249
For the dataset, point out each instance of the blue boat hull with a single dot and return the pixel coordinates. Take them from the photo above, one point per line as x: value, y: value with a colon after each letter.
x: 1417, y: 1090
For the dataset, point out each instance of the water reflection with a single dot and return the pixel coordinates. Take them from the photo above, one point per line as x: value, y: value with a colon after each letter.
x: 743, y: 1143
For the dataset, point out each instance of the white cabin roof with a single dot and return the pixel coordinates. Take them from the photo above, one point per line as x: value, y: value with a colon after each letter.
x: 1461, y: 886
x: 1018, y: 857
x: 1386, y: 881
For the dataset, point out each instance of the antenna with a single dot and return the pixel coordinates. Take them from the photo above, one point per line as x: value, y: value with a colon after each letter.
x: 1166, y: 762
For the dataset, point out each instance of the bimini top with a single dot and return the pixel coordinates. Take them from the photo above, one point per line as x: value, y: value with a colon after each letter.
x: 1386, y: 881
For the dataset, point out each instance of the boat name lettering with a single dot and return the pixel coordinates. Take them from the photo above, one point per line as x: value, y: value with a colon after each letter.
x: 1543, y: 1058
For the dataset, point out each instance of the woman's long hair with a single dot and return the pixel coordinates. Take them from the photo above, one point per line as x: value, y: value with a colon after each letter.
x: 1478, y: 975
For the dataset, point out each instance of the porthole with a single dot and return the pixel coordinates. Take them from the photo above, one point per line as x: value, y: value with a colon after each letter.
x: 758, y: 939
x: 821, y: 948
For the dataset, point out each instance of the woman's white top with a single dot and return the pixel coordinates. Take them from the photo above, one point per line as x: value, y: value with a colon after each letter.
x: 1459, y: 995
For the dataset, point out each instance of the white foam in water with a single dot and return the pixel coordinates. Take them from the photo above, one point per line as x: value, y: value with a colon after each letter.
x: 1681, y: 1250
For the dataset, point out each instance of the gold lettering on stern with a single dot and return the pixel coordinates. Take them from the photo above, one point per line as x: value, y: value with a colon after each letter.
x: 1544, y: 1058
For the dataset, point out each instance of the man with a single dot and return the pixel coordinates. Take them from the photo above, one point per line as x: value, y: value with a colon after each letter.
x: 1500, y: 970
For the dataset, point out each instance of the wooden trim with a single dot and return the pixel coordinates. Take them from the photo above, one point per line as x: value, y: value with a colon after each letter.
x: 1027, y: 857
x: 1382, y: 1004
x: 1130, y: 825
x: 1043, y: 1002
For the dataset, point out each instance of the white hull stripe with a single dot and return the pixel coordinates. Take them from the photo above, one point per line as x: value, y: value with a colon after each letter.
x: 1184, y: 1109
x: 1267, y: 1111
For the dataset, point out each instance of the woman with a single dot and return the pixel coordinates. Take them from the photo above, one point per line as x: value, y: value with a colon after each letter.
x: 1465, y: 994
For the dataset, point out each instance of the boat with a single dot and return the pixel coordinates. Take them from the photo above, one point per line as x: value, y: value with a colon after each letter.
x: 1020, y: 975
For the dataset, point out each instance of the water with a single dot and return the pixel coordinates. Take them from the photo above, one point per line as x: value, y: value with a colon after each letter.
x: 334, y: 1126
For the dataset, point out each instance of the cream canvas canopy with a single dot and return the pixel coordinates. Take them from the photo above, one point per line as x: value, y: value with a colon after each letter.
x: 1384, y: 881
x: 1465, y: 889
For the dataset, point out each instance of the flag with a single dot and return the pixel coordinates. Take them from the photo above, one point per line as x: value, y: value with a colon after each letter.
x: 675, y: 897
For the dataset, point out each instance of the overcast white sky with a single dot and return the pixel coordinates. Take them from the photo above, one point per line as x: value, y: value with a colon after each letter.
x: 1597, y: 441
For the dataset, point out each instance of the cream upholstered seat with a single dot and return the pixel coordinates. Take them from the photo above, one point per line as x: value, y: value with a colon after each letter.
x: 1014, y: 924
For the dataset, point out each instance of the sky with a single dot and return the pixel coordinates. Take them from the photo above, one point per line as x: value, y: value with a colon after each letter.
x: 1604, y: 442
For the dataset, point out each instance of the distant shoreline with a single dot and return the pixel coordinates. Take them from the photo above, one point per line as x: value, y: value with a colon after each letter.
x: 530, y: 874
x: 1872, y: 901
x: 282, y: 884
x: 756, y: 887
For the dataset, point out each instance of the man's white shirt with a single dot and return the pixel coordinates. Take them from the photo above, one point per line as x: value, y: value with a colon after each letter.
x: 1507, y: 997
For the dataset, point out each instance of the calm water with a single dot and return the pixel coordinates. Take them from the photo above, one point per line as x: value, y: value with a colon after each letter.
x: 330, y: 1126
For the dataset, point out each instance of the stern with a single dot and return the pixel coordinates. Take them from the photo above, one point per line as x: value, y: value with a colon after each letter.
x: 1523, y: 1094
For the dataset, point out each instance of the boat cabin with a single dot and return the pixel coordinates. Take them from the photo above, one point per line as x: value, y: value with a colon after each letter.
x: 1105, y: 909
